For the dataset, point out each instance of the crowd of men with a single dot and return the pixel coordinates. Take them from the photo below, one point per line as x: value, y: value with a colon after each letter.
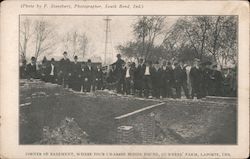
x: 147, y: 79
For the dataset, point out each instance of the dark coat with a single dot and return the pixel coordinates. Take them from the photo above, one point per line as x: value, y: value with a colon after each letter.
x: 195, y: 76
x: 139, y: 71
x: 156, y: 77
x: 118, y: 64
x: 89, y: 73
x: 99, y: 74
x: 167, y: 75
x: 31, y: 71
x: 65, y: 66
x: 180, y: 74
x: 118, y: 71
x: 216, y: 77
x: 206, y: 73
x: 75, y: 69
x: 23, y: 71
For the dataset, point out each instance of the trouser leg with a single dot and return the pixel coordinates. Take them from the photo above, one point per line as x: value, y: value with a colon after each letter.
x: 178, y: 90
x: 185, y: 89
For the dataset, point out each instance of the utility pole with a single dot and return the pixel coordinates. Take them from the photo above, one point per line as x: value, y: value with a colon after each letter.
x: 107, y: 30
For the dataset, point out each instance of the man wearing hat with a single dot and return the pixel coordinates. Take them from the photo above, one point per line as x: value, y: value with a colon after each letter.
x: 180, y: 79
x: 226, y: 82
x: 88, y: 76
x: 75, y: 79
x: 119, y: 73
x: 51, y: 71
x: 65, y: 69
x: 147, y: 79
x: 163, y: 79
x: 99, y: 75
x: 32, y: 68
x: 195, y: 76
x: 169, y: 80
x: 43, y: 69
x: 216, y: 81
x: 156, y: 80
x: 23, y: 69
x: 206, y: 81
x: 139, y: 73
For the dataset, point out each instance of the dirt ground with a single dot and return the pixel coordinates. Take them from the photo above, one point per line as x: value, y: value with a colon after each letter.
x: 178, y: 121
x: 94, y: 114
x: 201, y: 123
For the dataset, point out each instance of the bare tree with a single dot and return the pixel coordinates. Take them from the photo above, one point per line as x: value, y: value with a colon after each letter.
x: 173, y: 41
x: 76, y: 43
x: 146, y: 29
x: 208, y: 36
x: 196, y: 32
x: 83, y: 42
x: 222, y: 41
x: 25, y: 35
x: 44, y: 37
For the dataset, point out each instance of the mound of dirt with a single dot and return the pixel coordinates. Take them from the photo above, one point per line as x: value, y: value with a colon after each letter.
x: 68, y: 132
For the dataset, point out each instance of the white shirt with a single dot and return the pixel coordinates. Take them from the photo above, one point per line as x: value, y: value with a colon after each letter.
x: 164, y: 68
x: 188, y: 69
x: 127, y: 73
x: 147, y: 71
x: 52, y: 70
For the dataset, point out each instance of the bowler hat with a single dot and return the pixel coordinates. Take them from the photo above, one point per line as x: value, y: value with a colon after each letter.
x: 33, y: 58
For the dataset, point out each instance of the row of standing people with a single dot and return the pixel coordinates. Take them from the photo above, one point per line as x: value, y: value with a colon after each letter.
x: 170, y: 80
x: 145, y: 80
x: 74, y: 75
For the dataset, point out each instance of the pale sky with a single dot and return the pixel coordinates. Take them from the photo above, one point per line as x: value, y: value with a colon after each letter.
x: 94, y: 27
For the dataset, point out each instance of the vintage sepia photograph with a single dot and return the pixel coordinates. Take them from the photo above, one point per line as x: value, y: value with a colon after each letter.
x: 128, y: 79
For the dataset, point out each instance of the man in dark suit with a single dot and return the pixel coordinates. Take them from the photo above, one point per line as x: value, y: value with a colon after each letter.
x: 23, y: 69
x: 32, y: 69
x: 129, y: 78
x: 51, y: 71
x: 83, y: 77
x: 180, y: 79
x: 88, y: 76
x: 43, y: 69
x: 206, y: 81
x: 99, y: 78
x: 170, y: 80
x: 156, y: 79
x: 196, y: 79
x: 147, y: 79
x: 65, y: 69
x: 75, y: 79
x: 217, y: 79
x: 139, y: 74
x: 226, y: 82
x: 119, y: 73
x: 166, y: 80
